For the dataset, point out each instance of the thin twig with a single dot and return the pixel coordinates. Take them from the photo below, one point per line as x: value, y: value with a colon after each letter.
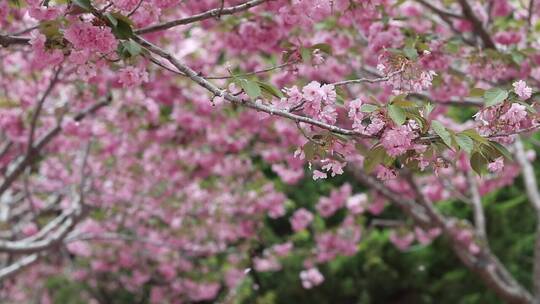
x: 25, y: 31
x: 439, y: 11
x: 269, y: 69
x: 530, y: 15
x: 368, y: 80
x: 135, y: 9
x: 236, y: 100
x: 84, y: 164
x: 477, y: 24
x: 39, y: 106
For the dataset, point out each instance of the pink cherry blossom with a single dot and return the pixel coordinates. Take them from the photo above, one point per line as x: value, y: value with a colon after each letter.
x: 402, y: 241
x: 520, y: 87
x: 94, y: 38
x: 397, y: 141
x: 311, y: 278
x: 131, y: 76
x: 496, y: 165
x: 301, y: 219
x: 357, y: 203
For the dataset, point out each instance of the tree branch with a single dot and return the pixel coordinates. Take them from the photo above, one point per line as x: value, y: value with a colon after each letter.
x: 29, y: 159
x: 447, y: 17
x: 37, y: 111
x: 439, y: 11
x: 485, y: 264
x: 269, y: 69
x: 368, y: 80
x: 478, y: 209
x: 7, y: 40
x: 477, y: 24
x: 531, y: 187
x: 188, y: 72
x: 14, y: 268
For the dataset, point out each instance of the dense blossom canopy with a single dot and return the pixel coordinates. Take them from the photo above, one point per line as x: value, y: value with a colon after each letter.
x: 139, y: 138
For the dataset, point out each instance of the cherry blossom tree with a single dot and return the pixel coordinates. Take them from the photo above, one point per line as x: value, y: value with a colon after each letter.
x: 138, y: 136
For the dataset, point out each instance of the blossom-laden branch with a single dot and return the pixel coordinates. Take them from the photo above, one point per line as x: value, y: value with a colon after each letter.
x: 236, y: 100
x: 8, y: 40
x: 259, y: 106
x: 202, y: 16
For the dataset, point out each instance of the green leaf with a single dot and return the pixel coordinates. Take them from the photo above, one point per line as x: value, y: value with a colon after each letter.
x: 465, y: 143
x: 452, y: 47
x: 501, y: 149
x: 493, y: 54
x: 374, y: 157
x: 310, y: 150
x: 123, y: 18
x: 324, y: 47
x: 398, y: 98
x: 475, y: 136
x: 15, y: 3
x: 495, y: 96
x: 341, y: 137
x: 404, y: 103
x: 427, y: 109
x: 339, y: 99
x: 368, y: 108
x: 251, y: 88
x: 397, y: 114
x: 124, y: 26
x: 286, y: 56
x: 528, y: 106
x: 269, y: 88
x: 132, y: 47
x: 477, y: 92
x: 85, y: 4
x: 422, y: 46
x: 399, y: 3
x: 422, y: 122
x: 112, y: 19
x: 517, y: 57
x: 478, y: 163
x: 51, y: 29
x: 306, y: 54
x: 442, y: 132
x: 410, y: 52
